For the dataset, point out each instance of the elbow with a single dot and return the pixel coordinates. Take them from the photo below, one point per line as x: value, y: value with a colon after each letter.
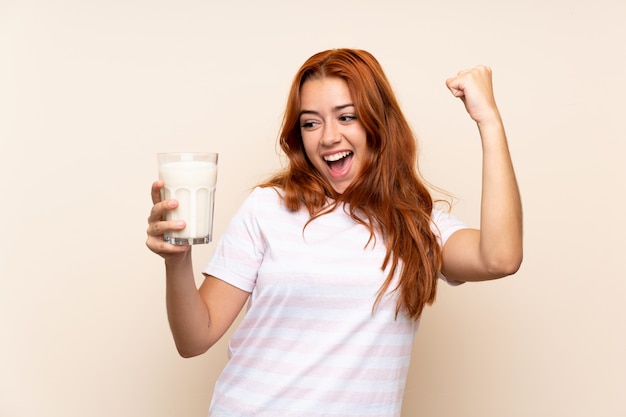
x: 187, y: 354
x: 190, y: 351
x: 504, y: 266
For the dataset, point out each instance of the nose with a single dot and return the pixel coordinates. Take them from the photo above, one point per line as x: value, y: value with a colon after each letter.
x: 330, y: 134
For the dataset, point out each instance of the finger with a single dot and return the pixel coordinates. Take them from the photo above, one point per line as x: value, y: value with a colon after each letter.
x: 158, y: 210
x: 161, y: 227
x: 156, y: 191
x: 160, y: 247
x: 455, y: 86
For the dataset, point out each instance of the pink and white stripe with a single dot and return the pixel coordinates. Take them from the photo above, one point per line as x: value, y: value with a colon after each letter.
x: 310, y: 344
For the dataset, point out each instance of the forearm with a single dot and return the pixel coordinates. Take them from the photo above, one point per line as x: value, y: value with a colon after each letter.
x: 187, y: 313
x: 495, y: 250
x: 501, y: 208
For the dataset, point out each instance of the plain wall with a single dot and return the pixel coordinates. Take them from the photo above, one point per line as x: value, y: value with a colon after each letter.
x: 90, y: 91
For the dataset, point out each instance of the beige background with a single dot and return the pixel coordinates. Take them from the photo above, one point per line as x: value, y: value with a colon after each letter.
x: 90, y: 91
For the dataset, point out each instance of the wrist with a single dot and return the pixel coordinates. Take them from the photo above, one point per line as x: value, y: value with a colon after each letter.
x: 178, y: 260
x: 490, y: 121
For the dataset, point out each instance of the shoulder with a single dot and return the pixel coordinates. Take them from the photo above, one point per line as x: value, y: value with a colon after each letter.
x: 444, y: 224
x: 269, y: 195
x: 263, y: 199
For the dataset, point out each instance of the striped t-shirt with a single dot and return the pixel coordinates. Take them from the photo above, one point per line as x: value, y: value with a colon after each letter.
x: 310, y: 344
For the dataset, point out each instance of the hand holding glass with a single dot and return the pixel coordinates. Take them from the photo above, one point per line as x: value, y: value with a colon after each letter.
x: 189, y: 178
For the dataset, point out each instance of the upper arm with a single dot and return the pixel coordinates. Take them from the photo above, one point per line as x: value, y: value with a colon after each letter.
x: 224, y: 303
x: 462, y: 259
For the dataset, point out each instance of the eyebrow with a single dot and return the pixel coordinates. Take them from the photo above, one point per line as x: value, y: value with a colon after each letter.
x: 335, y: 109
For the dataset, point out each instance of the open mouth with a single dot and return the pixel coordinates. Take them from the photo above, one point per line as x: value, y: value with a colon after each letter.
x: 337, y: 162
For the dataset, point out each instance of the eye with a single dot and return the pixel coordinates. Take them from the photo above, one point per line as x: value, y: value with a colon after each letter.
x: 346, y: 118
x: 308, y: 124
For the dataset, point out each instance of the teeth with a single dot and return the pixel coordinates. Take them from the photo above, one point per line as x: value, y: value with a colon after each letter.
x: 337, y: 156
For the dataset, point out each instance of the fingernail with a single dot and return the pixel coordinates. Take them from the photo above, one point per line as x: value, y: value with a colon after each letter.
x: 180, y: 223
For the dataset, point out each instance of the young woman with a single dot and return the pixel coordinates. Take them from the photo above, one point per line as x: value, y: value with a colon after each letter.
x: 338, y: 254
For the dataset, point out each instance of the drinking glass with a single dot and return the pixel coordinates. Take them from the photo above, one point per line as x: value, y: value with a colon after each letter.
x: 189, y: 178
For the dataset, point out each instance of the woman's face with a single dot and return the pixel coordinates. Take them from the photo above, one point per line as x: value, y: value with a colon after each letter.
x: 334, y: 139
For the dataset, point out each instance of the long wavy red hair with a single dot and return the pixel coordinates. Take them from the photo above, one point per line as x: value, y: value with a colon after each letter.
x: 388, y: 196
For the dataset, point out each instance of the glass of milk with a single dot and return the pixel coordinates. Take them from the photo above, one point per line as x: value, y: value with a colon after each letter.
x: 189, y: 178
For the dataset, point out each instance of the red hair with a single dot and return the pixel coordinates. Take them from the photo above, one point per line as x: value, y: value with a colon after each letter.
x: 388, y: 195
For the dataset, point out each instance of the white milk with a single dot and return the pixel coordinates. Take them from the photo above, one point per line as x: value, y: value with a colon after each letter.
x: 192, y: 184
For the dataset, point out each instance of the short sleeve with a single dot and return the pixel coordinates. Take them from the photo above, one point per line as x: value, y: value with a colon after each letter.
x: 445, y: 224
x: 239, y: 252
